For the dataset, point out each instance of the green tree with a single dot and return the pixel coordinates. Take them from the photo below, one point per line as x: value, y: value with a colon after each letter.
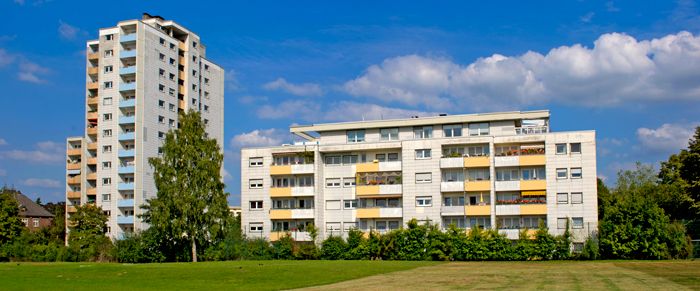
x: 10, y: 224
x: 191, y: 204
x: 86, y: 239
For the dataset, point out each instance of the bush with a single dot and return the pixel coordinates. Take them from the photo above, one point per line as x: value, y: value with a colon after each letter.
x: 590, y: 250
x: 334, y: 248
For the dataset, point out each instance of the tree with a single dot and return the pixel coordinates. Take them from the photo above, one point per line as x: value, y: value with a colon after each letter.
x: 191, y: 204
x: 86, y: 238
x: 10, y: 224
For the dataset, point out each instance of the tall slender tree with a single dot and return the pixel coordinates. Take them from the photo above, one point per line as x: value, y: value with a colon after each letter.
x: 191, y: 205
x: 10, y: 223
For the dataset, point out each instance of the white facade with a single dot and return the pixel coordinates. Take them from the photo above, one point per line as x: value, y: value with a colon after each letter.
x: 140, y: 75
x: 494, y: 170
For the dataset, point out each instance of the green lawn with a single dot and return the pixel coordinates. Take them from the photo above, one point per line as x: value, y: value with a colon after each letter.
x: 259, y: 275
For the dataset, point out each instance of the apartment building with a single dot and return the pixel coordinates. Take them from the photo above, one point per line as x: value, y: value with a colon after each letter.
x: 505, y: 170
x: 140, y: 75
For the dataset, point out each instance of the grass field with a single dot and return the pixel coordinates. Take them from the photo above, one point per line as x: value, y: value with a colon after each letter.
x: 356, y: 275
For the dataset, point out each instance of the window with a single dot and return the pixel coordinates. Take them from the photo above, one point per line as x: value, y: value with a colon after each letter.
x: 256, y: 227
x: 107, y: 149
x: 459, y: 222
x: 107, y: 116
x: 171, y: 76
x: 255, y: 162
x: 332, y: 182
x: 194, y: 44
x: 109, y: 36
x: 106, y: 181
x: 256, y: 183
x: 478, y: 151
x: 452, y: 130
x: 109, y: 69
x: 171, y: 91
x: 532, y: 222
x: 389, y: 134
x: 577, y: 222
x: 161, y: 119
x: 36, y: 222
x: 172, y: 46
x: 332, y: 204
x: 162, y: 41
x: 423, y: 154
x: 480, y: 222
x: 108, y: 84
x: 508, y: 222
x: 161, y: 72
x: 507, y: 175
x: 106, y: 165
x: 206, y: 67
x: 161, y: 57
x: 161, y: 103
x: 107, y: 101
x: 172, y: 61
x: 356, y: 135
x: 423, y: 132
x: 392, y: 157
x: 106, y: 197
x: 333, y: 226
x: 347, y: 226
x: 25, y: 221
x: 478, y: 174
x: 349, y: 182
x: 562, y: 198
x: 161, y: 87
x: 171, y: 107
x: 349, y: 159
x: 561, y: 148
x: 576, y: 173
x: 161, y: 135
x: 333, y: 160
x: 256, y: 204
x: 206, y: 81
x: 453, y: 175
x: 171, y: 122
x: 453, y: 201
x: 194, y: 101
x: 350, y: 204
x: 206, y: 108
x: 424, y: 201
x: 561, y: 222
x: 576, y: 198
x: 533, y: 173
x: 578, y: 247
x: 109, y: 53
x: 561, y: 173
x: 424, y: 178
x: 107, y: 133
x: 576, y: 148
x: 476, y: 129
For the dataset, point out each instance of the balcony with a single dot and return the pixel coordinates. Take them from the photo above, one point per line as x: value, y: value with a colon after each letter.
x: 125, y: 203
x: 181, y: 60
x: 126, y: 38
x: 73, y: 172
x: 477, y: 185
x: 93, y: 85
x: 295, y: 235
x: 530, y: 185
x: 127, y: 103
x: 123, y: 87
x: 126, y: 153
x: 74, y: 180
x: 73, y: 194
x: 73, y: 166
x: 378, y: 190
x: 532, y: 160
x: 92, y: 115
x: 452, y: 210
x: 92, y: 176
x: 533, y: 209
x: 292, y: 169
x: 531, y: 130
x: 92, y: 146
x: 93, y: 100
x: 291, y: 191
x: 93, y: 56
x: 181, y: 75
x: 125, y: 54
x: 74, y: 152
x: 126, y: 169
x: 182, y: 46
x: 127, y: 119
x: 91, y: 191
x: 508, y: 185
x: 71, y: 209
x: 92, y: 161
x: 465, y: 162
x: 396, y: 212
x: 521, y: 207
x: 292, y: 213
x: 125, y: 219
x: 126, y: 136
x: 130, y: 70
x: 91, y: 131
x: 477, y: 210
x: 378, y: 167
x: 452, y: 186
x: 125, y: 186
x: 181, y: 103
x: 93, y: 70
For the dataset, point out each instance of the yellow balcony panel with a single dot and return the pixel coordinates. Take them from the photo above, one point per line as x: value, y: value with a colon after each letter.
x: 92, y: 176
x: 367, y: 167
x: 92, y: 161
x: 533, y: 209
x: 93, y: 56
x: 181, y: 89
x: 92, y: 146
x: 91, y: 191
x: 93, y: 71
x: 71, y: 209
x: 182, y: 46
x: 181, y: 105
x: 477, y: 186
x: 281, y: 192
x: 181, y: 75
x: 181, y: 60
x: 92, y: 130
x: 368, y: 213
x: 476, y: 162
x: 92, y: 115
x: 281, y: 214
x: 533, y: 160
x: 531, y: 185
x: 281, y: 170
x: 75, y: 166
x: 73, y: 152
x: 74, y: 180
x: 533, y: 193
x: 367, y: 190
x: 93, y: 100
x: 276, y: 235
x: 477, y: 210
x: 73, y: 194
x: 93, y: 86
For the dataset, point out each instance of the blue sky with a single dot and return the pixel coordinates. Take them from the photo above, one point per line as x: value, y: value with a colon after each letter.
x: 628, y: 69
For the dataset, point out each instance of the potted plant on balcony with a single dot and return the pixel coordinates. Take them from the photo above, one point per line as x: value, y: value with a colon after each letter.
x: 307, y: 156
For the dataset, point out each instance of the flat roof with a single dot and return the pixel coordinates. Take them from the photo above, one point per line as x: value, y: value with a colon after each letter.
x: 304, y: 130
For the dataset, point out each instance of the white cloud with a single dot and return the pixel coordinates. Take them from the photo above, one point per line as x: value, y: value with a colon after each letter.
x: 293, y: 109
x: 30, y: 72
x: 337, y: 111
x: 5, y: 58
x: 250, y: 99
x: 618, y: 70
x: 258, y: 138
x: 46, y: 152
x: 231, y: 79
x: 43, y: 183
x: 666, y: 138
x: 67, y: 31
x: 305, y: 89
x: 586, y: 18
x: 3, y: 142
x: 226, y: 175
